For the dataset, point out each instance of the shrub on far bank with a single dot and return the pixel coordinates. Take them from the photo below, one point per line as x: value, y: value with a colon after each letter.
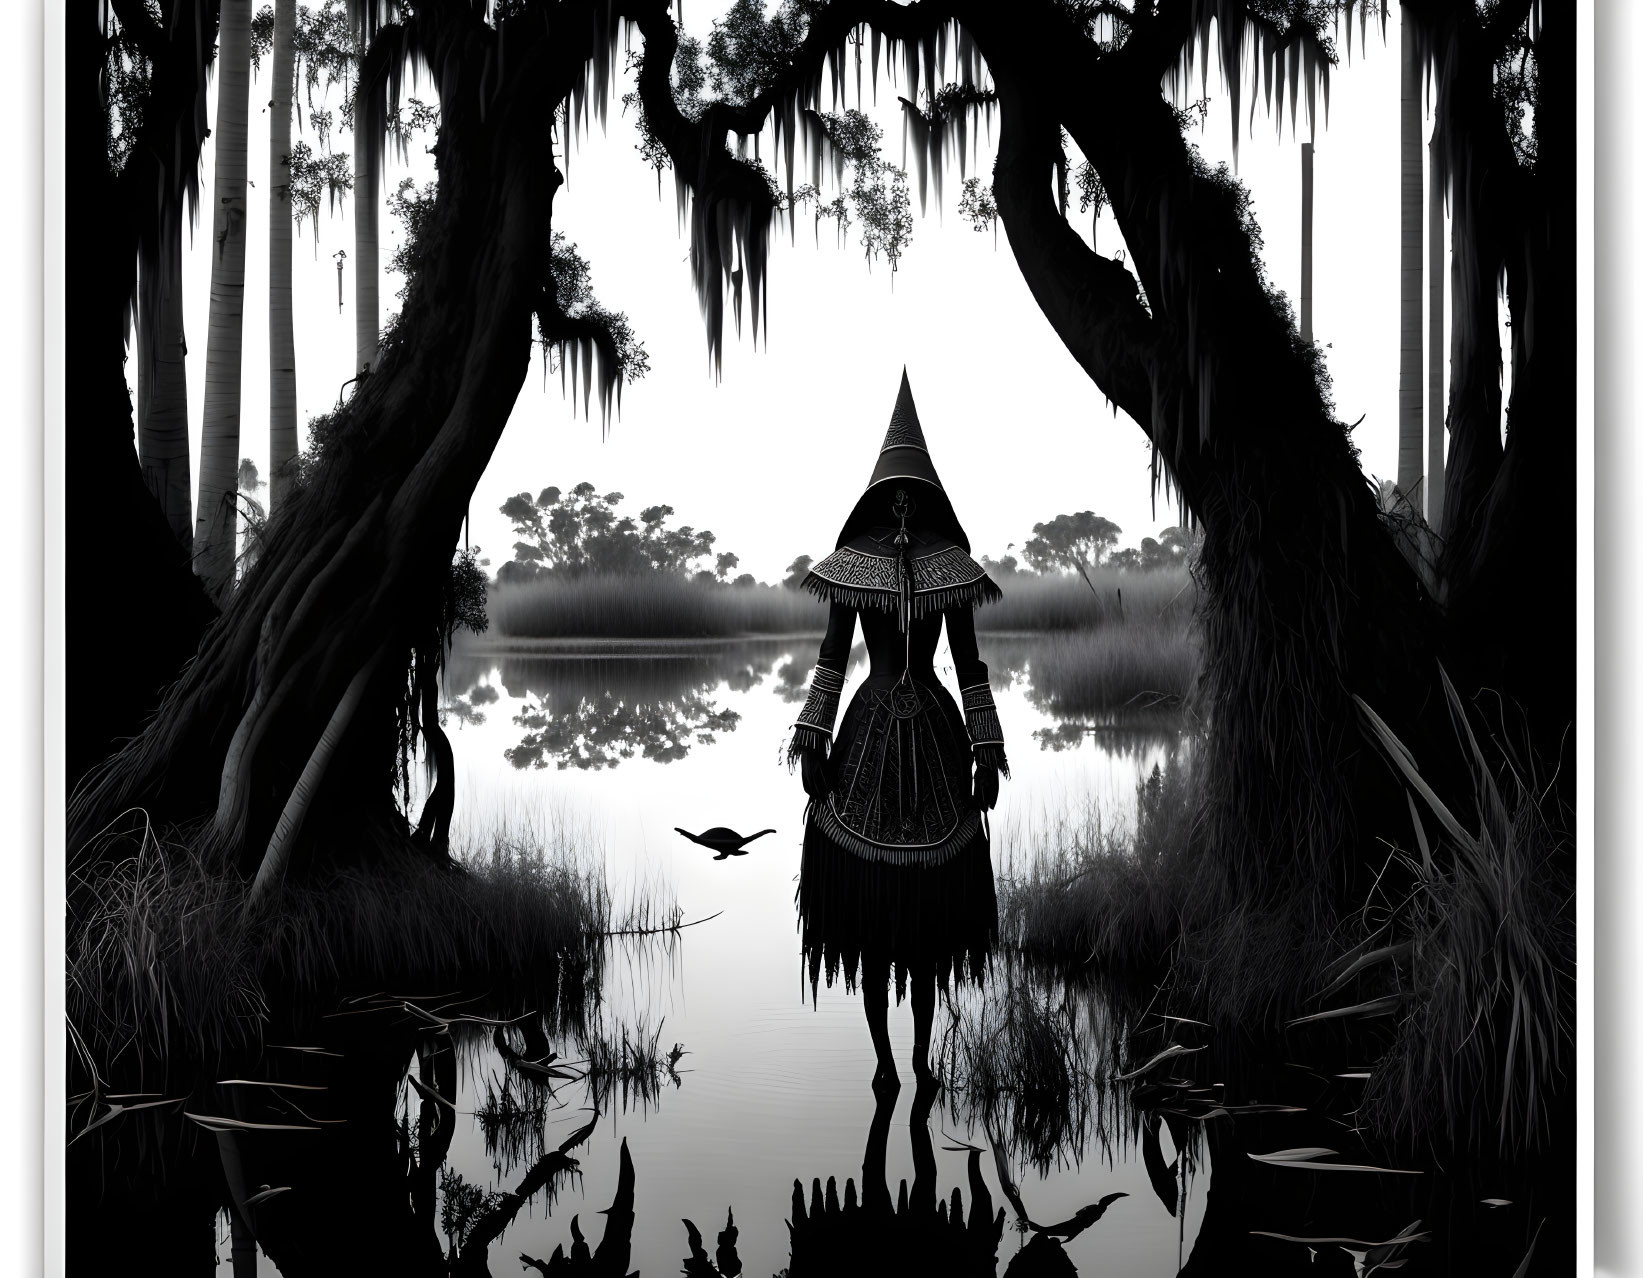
x: 1062, y: 601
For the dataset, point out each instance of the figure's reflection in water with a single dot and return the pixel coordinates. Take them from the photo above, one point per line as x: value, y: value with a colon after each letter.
x: 871, y: 1233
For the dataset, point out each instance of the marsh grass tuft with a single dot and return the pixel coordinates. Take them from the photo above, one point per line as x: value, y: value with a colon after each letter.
x: 628, y: 1062
x: 163, y: 974
x: 1021, y: 1065
x: 513, y: 1121
x: 1455, y: 979
x: 1481, y: 950
x: 1143, y: 912
x: 1081, y: 890
x: 157, y: 962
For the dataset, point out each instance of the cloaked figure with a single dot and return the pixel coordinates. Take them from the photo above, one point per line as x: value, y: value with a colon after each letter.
x: 896, y: 873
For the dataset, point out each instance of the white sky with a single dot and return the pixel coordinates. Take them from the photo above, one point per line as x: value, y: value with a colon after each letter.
x: 772, y: 456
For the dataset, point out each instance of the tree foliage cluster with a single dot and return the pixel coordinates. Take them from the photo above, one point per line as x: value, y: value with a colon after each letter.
x: 324, y: 57
x: 573, y: 286
x: 1085, y: 540
x: 746, y: 52
x: 412, y: 205
x: 581, y: 532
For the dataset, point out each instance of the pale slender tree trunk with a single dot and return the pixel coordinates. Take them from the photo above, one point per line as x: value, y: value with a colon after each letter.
x: 146, y: 324
x: 1436, y: 425
x: 1306, y: 241
x: 365, y: 257
x: 162, y: 408
x: 216, y: 522
x: 1411, y: 436
x: 282, y: 346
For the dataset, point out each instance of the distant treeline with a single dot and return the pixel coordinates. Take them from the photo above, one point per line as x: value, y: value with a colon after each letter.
x: 666, y: 605
x: 581, y: 533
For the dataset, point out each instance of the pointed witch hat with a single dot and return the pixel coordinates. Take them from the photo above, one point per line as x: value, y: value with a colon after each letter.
x: 904, y: 462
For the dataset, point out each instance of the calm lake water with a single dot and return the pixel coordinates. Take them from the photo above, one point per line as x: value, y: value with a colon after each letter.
x: 597, y: 751
x: 609, y: 748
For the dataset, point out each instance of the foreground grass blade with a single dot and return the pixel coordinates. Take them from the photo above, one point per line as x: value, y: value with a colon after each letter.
x: 1528, y: 1256
x: 1365, y: 960
x: 1305, y: 1159
x: 1358, y: 1243
x: 1405, y: 764
x: 1374, y: 1007
x: 1294, y: 1155
x: 428, y: 1093
x: 217, y: 1123
x: 1169, y: 1053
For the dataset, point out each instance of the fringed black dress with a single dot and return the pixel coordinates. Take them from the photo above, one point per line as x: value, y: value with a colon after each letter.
x: 896, y: 869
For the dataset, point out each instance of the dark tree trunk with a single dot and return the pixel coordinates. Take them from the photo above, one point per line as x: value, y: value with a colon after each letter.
x: 1510, y: 519
x: 134, y: 609
x: 1306, y: 600
x: 357, y: 562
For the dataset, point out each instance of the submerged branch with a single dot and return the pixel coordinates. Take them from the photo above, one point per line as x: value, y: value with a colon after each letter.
x: 654, y: 931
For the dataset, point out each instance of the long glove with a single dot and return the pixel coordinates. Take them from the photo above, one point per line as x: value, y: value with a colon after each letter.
x: 985, y: 794
x: 813, y: 731
x: 986, y: 744
x: 813, y: 770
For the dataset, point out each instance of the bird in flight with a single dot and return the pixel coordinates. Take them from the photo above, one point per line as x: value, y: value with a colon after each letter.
x: 723, y: 840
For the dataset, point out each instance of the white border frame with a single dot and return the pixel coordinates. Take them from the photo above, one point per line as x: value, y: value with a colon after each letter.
x: 55, y: 366
x: 1585, y: 515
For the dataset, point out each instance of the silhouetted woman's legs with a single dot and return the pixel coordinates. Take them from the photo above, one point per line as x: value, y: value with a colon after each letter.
x: 922, y: 978
x: 875, y: 997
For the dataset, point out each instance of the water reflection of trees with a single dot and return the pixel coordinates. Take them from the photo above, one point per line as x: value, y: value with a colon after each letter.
x: 599, y: 730
x: 590, y: 709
